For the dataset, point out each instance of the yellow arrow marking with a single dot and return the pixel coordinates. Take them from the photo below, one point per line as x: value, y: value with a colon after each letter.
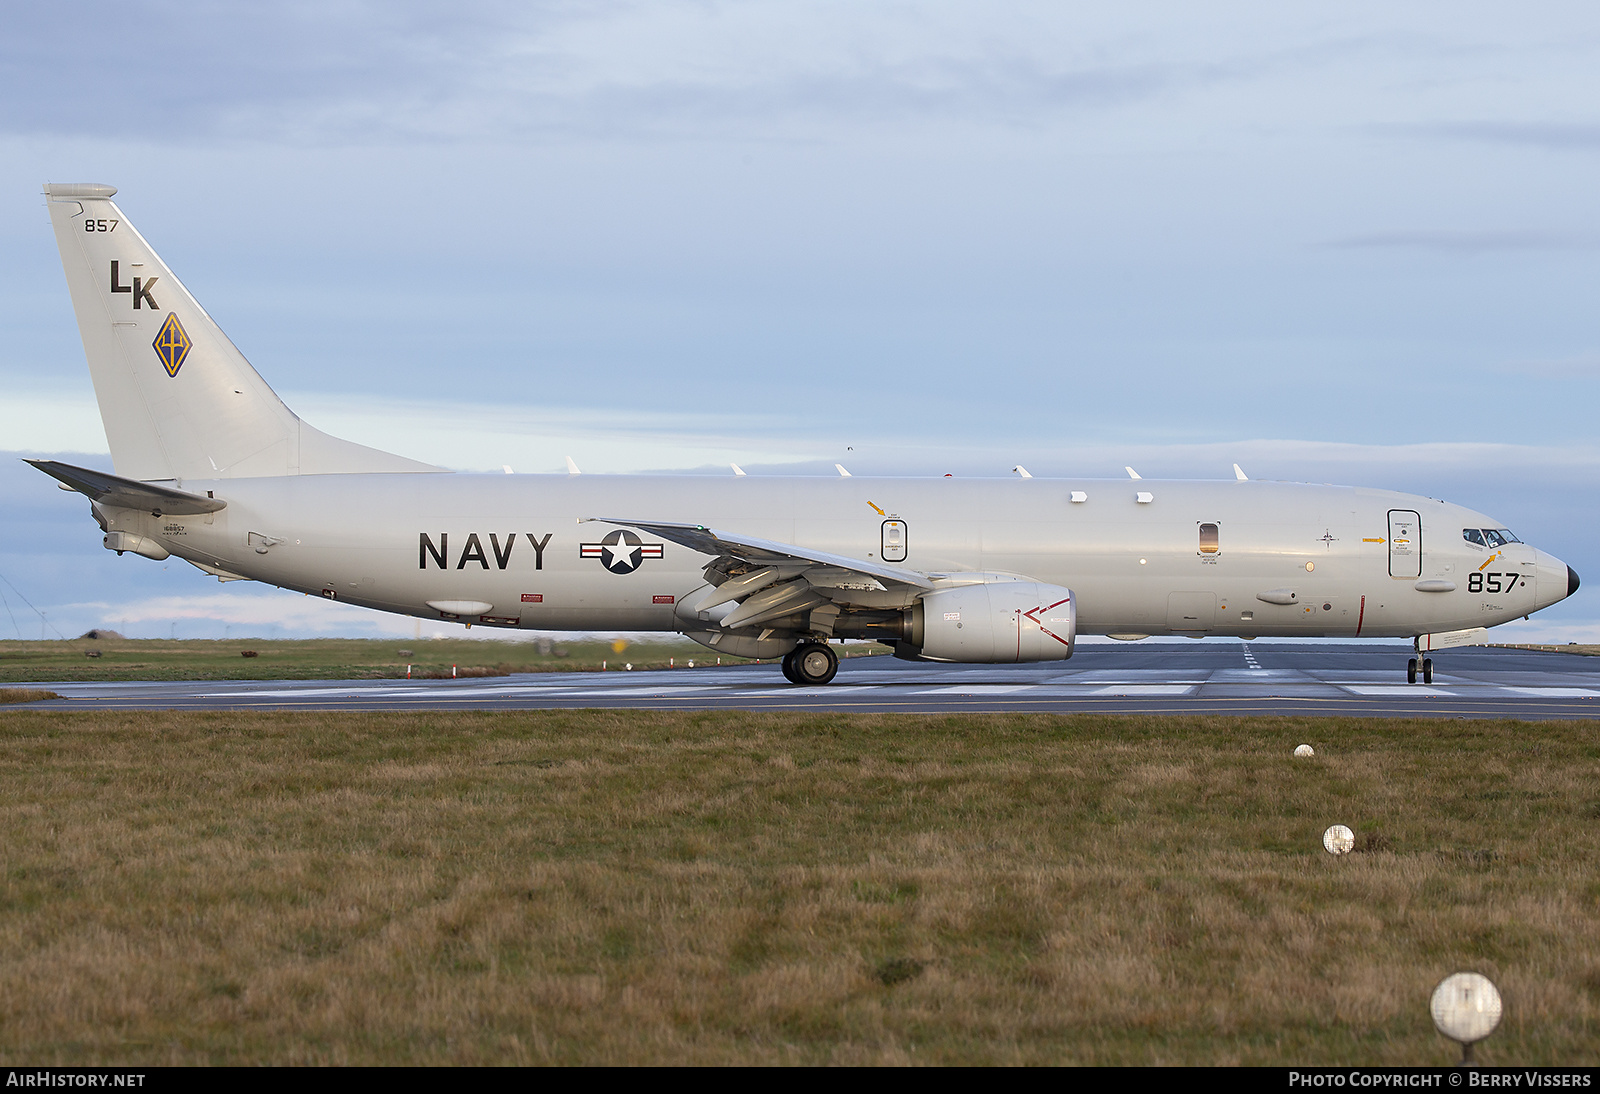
x: 1486, y: 562
x: 1378, y: 540
x: 878, y: 511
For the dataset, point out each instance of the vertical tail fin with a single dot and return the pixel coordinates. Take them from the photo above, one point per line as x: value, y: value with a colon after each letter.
x: 177, y: 399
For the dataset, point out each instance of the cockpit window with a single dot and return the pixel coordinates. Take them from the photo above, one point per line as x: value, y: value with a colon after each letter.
x: 1489, y: 537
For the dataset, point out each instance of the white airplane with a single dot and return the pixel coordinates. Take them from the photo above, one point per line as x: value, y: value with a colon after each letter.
x: 212, y: 467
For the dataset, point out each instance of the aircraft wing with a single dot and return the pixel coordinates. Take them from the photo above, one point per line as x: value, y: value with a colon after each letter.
x: 121, y: 493
x: 766, y: 552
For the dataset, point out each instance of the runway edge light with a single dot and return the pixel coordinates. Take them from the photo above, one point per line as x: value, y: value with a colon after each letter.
x: 1466, y: 1008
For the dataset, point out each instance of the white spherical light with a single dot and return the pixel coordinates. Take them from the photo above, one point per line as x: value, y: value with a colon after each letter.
x: 1338, y: 840
x: 1466, y: 1007
x: 1305, y: 750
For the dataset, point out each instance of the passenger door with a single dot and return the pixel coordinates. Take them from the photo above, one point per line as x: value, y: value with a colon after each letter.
x: 1405, y: 543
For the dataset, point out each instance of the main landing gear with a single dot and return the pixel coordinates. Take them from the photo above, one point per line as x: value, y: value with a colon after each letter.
x: 810, y: 663
x: 1427, y: 670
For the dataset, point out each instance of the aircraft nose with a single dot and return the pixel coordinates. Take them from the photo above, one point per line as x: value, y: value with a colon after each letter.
x: 1555, y: 579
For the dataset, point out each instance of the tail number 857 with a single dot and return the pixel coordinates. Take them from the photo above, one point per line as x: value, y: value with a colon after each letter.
x: 1493, y: 583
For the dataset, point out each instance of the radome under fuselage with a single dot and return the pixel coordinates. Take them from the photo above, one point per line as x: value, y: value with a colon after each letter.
x: 395, y: 542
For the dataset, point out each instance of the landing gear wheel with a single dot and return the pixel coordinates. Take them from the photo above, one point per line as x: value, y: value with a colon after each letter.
x: 811, y: 663
x: 1427, y: 670
x: 788, y: 667
x: 1411, y: 671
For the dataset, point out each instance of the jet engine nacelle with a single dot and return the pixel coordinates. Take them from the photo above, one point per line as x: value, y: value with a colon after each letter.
x: 996, y: 622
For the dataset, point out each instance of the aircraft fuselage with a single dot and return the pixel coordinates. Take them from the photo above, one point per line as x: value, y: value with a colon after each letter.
x: 1226, y: 558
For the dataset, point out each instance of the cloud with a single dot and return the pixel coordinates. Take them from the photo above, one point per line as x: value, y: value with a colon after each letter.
x: 1581, y: 364
x: 65, y: 419
x: 266, y: 610
x: 1468, y: 241
x: 250, y: 611
x: 1554, y: 136
x: 365, y: 72
x: 537, y: 438
x: 473, y: 436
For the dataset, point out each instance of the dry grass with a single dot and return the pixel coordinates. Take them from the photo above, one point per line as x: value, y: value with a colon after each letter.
x: 25, y: 695
x: 116, y: 658
x: 1566, y: 647
x: 631, y: 887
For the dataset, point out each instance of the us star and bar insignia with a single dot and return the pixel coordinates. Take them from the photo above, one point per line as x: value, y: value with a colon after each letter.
x: 621, y: 552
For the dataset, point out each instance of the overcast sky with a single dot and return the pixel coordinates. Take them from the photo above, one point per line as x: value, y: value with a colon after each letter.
x: 1352, y: 245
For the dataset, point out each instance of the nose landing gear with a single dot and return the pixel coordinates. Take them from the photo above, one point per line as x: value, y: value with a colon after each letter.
x: 810, y: 663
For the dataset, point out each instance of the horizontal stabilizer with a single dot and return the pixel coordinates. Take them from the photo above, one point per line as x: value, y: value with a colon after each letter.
x: 120, y: 493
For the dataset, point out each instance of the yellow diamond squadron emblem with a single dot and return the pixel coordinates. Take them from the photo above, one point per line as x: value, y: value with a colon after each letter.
x: 172, y: 344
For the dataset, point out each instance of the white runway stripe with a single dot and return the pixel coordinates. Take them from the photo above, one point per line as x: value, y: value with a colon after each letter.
x: 825, y: 689
x: 1555, y: 693
x: 644, y: 691
x: 1412, y: 690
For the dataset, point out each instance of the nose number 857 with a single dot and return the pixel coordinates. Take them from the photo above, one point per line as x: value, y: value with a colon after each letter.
x: 1492, y: 583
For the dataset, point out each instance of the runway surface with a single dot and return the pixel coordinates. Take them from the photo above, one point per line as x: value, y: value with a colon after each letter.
x: 1365, y: 680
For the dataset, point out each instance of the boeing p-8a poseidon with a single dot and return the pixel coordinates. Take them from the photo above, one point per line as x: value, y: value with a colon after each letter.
x: 212, y: 467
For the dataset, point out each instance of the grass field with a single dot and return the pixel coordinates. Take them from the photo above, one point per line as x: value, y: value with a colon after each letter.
x: 1566, y: 647
x: 25, y: 695
x: 334, y: 658
x: 636, y: 887
x: 115, y: 658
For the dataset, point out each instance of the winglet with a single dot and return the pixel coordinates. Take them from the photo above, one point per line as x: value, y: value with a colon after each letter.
x: 1020, y: 470
x: 572, y: 468
x: 839, y: 467
x: 1132, y: 474
x: 1238, y: 473
x: 737, y: 470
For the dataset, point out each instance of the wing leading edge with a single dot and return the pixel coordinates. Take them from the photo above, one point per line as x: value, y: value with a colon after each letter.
x: 779, y: 584
x: 766, y: 552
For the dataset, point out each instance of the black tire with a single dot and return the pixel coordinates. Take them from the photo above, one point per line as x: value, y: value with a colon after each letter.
x: 789, y: 673
x: 1411, y: 671
x: 814, y: 664
x: 1427, y: 670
